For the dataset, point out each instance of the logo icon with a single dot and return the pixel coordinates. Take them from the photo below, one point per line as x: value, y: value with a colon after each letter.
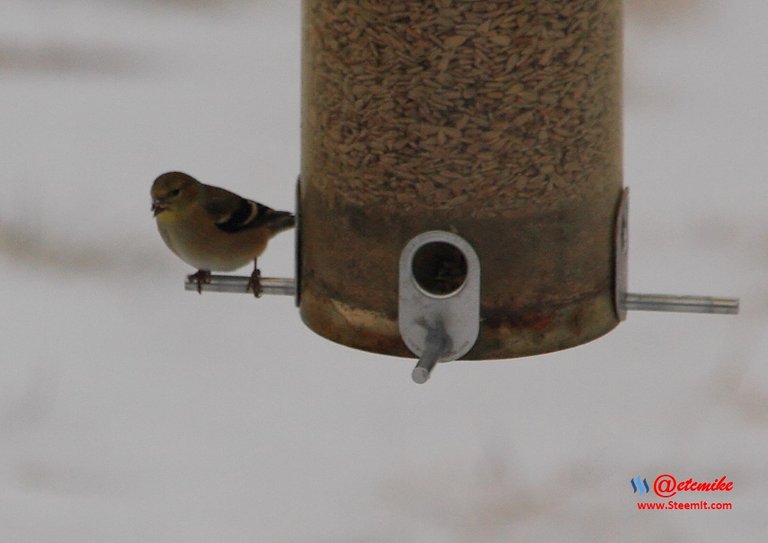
x: 640, y: 485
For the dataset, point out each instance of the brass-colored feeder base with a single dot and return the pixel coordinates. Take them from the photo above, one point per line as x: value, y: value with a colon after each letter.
x: 546, y: 284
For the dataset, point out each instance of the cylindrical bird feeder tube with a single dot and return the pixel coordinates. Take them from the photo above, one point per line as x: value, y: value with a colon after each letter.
x: 499, y: 121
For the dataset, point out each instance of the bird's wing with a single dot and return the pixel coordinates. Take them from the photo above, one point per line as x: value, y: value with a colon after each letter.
x: 232, y: 213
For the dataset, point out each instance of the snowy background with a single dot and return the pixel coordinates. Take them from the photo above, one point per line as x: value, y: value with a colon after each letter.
x: 131, y: 410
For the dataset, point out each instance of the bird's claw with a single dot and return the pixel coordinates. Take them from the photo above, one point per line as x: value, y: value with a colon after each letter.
x: 254, y: 283
x: 202, y: 277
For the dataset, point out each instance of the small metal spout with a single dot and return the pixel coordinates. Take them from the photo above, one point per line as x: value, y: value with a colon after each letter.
x: 437, y: 344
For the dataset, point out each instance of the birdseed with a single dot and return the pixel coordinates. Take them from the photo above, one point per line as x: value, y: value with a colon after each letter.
x: 449, y: 104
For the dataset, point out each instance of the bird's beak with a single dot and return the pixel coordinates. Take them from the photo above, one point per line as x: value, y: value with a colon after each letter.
x: 158, y: 207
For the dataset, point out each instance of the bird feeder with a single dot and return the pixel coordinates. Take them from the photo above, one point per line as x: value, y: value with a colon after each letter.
x: 461, y: 189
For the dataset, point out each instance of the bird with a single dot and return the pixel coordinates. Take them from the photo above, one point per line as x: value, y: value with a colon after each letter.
x: 213, y: 229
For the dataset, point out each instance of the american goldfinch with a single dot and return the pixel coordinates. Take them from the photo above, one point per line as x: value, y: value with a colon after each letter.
x: 213, y: 229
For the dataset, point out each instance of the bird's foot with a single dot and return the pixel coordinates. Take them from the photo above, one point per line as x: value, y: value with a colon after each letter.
x: 254, y: 283
x: 202, y: 277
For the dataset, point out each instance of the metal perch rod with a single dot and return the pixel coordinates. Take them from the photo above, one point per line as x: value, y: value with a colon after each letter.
x: 238, y: 285
x: 680, y: 304
x: 631, y: 301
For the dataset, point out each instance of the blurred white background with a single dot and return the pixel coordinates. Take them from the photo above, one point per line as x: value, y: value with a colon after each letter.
x: 131, y: 410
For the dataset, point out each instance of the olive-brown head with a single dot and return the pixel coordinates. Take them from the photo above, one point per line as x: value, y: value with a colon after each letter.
x: 172, y: 193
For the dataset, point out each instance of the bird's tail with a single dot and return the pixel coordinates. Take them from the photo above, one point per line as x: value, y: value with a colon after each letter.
x: 280, y: 221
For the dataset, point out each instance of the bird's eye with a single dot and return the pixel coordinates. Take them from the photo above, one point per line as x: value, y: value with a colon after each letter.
x: 175, y: 192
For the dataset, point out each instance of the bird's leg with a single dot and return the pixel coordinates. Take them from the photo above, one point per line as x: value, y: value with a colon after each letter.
x: 202, y: 277
x: 254, y: 283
